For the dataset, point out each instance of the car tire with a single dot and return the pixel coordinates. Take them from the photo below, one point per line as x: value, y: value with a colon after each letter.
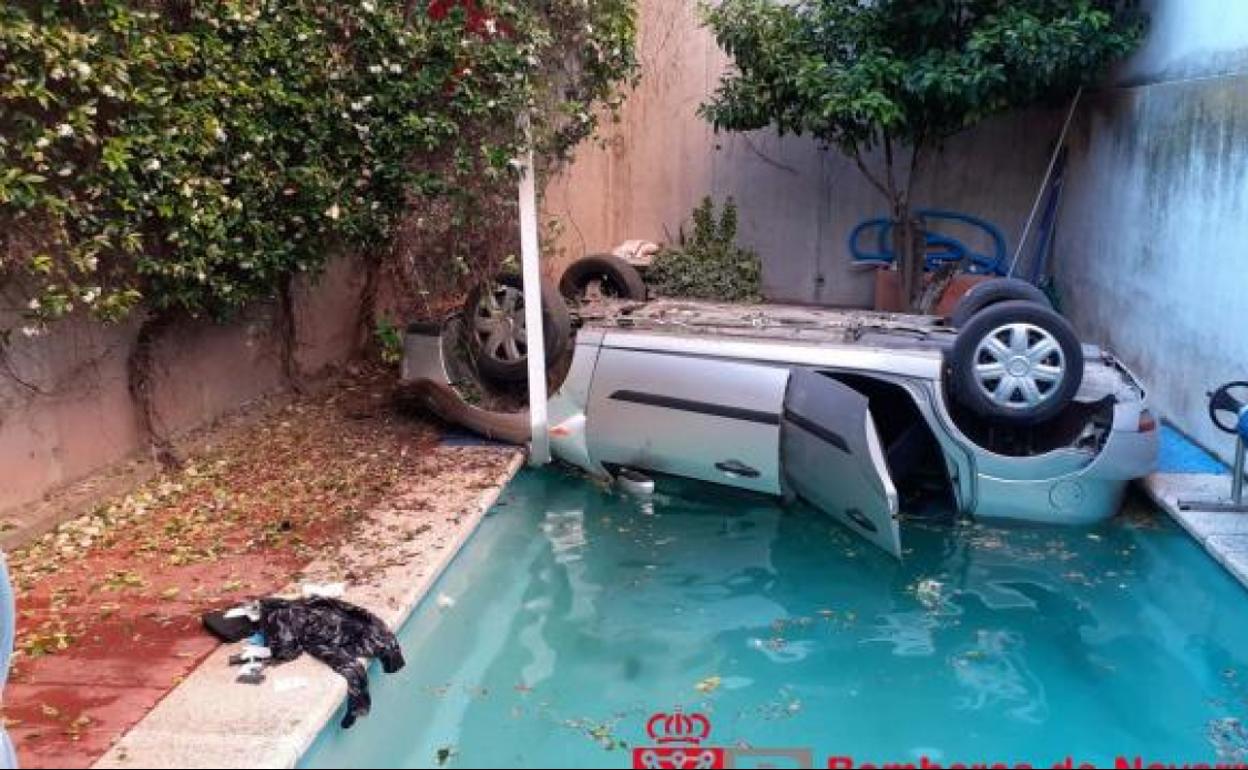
x: 615, y: 278
x: 992, y: 292
x: 494, y: 306
x: 1016, y: 363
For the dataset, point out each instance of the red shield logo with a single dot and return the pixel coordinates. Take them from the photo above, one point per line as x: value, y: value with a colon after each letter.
x: 680, y: 740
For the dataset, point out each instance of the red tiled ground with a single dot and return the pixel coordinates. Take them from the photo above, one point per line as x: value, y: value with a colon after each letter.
x: 109, y: 608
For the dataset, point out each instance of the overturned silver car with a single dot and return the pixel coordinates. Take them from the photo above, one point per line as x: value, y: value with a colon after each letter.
x: 998, y: 413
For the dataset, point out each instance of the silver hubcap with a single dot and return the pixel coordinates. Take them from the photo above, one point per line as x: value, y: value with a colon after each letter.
x: 498, y: 324
x: 1019, y: 366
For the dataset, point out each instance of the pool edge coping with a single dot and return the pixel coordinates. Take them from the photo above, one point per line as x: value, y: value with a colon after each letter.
x: 1224, y: 536
x: 280, y: 743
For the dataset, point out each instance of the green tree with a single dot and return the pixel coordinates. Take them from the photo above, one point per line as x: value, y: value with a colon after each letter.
x: 900, y: 76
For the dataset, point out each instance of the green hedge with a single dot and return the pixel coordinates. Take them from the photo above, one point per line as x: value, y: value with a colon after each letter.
x: 191, y: 156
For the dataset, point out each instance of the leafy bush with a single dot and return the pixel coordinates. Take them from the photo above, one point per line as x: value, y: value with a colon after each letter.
x: 193, y: 156
x: 708, y: 263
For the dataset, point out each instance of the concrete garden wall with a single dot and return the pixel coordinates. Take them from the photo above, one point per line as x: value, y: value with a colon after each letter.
x: 81, y: 418
x: 1152, y: 250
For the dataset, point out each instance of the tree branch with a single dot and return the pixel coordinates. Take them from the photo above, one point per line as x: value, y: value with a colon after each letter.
x: 872, y: 178
x: 888, y: 168
x: 916, y: 163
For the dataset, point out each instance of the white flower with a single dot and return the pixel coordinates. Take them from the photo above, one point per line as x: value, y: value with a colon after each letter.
x: 34, y: 303
x: 108, y: 91
x: 42, y: 142
x: 491, y: 27
x: 152, y: 165
x: 220, y: 134
x: 31, y: 332
x: 64, y: 130
x: 374, y: 69
x: 333, y: 212
x: 396, y: 69
x: 82, y: 68
x: 91, y: 295
x: 368, y: 7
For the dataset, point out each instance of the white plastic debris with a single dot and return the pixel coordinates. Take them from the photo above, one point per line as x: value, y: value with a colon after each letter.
x: 445, y: 602
x: 254, y: 652
x: 637, y: 252
x: 250, y: 610
x: 289, y: 683
x: 324, y: 590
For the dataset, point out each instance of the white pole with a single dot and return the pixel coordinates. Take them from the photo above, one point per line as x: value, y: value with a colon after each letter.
x: 539, y: 448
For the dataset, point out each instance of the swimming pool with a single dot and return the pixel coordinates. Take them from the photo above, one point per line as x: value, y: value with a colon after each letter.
x: 576, y: 612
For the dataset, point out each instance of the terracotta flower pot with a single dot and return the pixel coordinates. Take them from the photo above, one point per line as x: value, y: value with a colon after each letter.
x: 888, y: 291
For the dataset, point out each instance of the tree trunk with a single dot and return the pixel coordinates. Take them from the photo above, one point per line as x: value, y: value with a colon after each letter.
x: 366, y: 314
x: 288, y: 334
x: 909, y: 246
x: 140, y: 370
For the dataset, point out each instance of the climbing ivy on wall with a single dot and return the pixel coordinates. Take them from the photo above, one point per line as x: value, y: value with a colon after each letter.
x: 191, y: 157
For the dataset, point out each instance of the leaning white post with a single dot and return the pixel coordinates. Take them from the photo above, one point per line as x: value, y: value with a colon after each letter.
x: 539, y: 447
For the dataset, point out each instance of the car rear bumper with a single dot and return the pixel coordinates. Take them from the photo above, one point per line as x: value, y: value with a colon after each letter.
x: 1088, y: 496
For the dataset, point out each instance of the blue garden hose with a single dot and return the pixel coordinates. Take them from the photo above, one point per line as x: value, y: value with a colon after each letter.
x: 940, y: 250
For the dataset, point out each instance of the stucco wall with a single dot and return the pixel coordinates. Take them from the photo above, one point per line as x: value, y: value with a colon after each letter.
x: 1153, y: 241
x: 79, y: 418
x: 1152, y: 249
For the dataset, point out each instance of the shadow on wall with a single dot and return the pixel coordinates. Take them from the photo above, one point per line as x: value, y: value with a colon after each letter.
x: 65, y: 407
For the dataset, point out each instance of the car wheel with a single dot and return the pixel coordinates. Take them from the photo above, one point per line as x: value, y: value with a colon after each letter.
x: 496, y: 327
x: 601, y: 275
x: 1016, y: 362
x: 992, y: 292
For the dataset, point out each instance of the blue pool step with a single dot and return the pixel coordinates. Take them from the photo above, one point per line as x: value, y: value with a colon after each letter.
x: 1179, y: 454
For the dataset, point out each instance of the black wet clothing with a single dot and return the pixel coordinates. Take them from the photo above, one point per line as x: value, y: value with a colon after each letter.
x: 336, y: 633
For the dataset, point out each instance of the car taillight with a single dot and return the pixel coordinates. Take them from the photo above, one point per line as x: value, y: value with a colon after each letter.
x: 1148, y: 423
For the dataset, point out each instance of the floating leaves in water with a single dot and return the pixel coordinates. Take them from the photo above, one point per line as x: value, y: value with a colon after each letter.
x: 708, y: 685
x: 444, y: 755
x: 929, y: 593
x: 602, y: 733
x: 1229, y: 739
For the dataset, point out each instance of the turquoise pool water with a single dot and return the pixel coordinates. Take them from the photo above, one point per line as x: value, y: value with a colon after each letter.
x: 577, y: 612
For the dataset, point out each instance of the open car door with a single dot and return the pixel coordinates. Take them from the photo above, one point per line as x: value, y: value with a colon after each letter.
x: 832, y: 457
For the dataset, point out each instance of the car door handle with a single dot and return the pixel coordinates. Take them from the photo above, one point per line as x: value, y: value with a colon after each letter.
x: 737, y: 469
